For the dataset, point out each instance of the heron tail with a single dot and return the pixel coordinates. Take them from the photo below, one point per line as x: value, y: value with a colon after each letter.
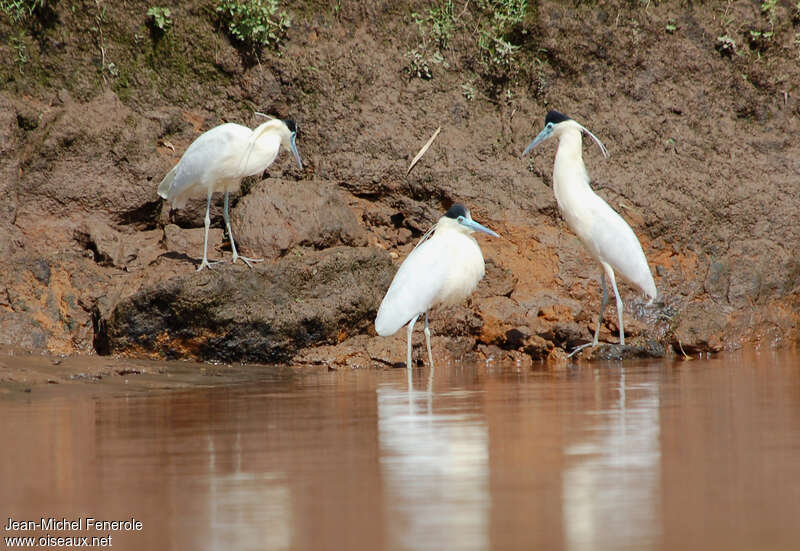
x: 166, y: 183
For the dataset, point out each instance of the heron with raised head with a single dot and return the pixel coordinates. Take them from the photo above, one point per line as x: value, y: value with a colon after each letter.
x: 218, y: 160
x: 607, y: 237
x: 444, y: 268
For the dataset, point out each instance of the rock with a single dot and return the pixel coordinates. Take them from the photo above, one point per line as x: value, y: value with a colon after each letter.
x: 96, y: 157
x: 114, y: 248
x: 700, y: 328
x: 42, y: 302
x: 189, y: 242
x: 18, y: 329
x: 605, y: 351
x: 233, y: 313
x: 277, y: 216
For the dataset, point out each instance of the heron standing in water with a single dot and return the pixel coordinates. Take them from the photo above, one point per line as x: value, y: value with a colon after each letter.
x: 607, y: 237
x: 444, y: 268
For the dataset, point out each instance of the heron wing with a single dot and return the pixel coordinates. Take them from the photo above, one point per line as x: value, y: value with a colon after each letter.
x: 613, y: 241
x: 414, y: 288
x: 214, y: 157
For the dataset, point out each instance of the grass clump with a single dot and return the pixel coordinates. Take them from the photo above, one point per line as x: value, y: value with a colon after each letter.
x: 19, y: 11
x: 160, y: 19
x: 254, y: 23
x: 498, y: 16
x: 479, y: 30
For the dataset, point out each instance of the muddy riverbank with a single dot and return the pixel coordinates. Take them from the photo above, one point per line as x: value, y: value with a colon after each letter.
x: 699, y: 108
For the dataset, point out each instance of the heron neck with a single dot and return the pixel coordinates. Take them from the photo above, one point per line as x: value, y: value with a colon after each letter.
x: 568, y: 166
x: 570, y: 147
x: 261, y: 154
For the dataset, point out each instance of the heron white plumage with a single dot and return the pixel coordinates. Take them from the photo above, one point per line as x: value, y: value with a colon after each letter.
x: 219, y: 159
x: 444, y: 268
x: 607, y: 237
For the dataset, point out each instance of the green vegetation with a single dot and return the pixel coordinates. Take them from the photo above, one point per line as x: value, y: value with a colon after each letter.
x: 468, y: 90
x: 436, y: 27
x: 726, y: 45
x: 482, y: 35
x: 19, y: 10
x: 768, y: 9
x: 498, y: 16
x: 22, y: 53
x: 254, y: 23
x: 160, y: 19
x: 437, y: 24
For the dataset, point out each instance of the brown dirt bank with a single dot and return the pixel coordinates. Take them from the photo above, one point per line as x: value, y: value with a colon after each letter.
x: 705, y: 166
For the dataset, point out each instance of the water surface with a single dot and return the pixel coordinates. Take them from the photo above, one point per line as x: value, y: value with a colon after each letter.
x: 702, y: 454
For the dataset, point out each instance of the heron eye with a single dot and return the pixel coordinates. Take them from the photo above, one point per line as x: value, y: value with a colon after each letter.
x: 460, y: 219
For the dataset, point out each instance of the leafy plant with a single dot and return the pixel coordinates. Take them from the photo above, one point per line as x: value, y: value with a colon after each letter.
x: 768, y: 9
x: 440, y: 21
x: 254, y: 23
x: 160, y: 18
x: 19, y: 10
x: 726, y: 45
x: 759, y: 39
x: 436, y: 27
x: 468, y: 90
x: 497, y: 51
x: 671, y: 27
x: 418, y: 65
x: 21, y: 51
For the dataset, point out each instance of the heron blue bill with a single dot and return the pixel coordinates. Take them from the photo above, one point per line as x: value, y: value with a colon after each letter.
x: 473, y: 225
x: 543, y: 135
x: 293, y: 146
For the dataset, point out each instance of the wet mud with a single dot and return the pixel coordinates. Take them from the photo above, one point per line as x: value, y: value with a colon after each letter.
x: 705, y: 161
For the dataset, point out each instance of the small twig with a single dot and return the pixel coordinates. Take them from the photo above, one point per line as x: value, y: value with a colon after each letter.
x: 422, y: 151
x: 466, y: 5
x: 685, y: 355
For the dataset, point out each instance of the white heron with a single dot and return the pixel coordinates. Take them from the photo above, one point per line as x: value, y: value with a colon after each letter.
x: 219, y: 159
x: 607, y: 237
x: 444, y: 268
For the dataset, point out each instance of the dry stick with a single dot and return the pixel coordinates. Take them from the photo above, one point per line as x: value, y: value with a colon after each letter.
x: 422, y: 151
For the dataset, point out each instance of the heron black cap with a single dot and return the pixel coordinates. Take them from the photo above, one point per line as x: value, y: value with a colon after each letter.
x: 457, y: 210
x: 290, y: 125
x: 555, y: 117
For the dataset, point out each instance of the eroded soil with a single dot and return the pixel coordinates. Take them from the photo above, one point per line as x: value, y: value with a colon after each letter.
x: 705, y: 166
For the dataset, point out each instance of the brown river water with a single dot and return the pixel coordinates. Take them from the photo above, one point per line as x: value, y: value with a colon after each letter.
x: 701, y: 454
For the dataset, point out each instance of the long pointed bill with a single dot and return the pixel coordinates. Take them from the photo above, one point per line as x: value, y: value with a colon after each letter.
x: 543, y: 135
x: 597, y: 141
x: 293, y: 145
x: 473, y: 225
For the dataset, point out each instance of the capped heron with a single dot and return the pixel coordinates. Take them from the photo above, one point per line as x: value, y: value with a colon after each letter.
x: 219, y: 159
x: 607, y: 237
x: 444, y: 268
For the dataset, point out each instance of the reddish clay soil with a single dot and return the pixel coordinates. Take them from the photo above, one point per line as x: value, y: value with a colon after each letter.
x: 704, y: 140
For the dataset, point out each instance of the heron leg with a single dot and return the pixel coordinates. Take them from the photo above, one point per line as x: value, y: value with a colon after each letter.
x: 207, y: 221
x: 409, y: 331
x: 603, y: 303
x: 225, y: 214
x: 610, y: 273
x: 428, y: 340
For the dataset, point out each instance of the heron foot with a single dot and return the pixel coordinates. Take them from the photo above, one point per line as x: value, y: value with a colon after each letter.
x: 581, y: 347
x: 248, y: 261
x: 206, y: 264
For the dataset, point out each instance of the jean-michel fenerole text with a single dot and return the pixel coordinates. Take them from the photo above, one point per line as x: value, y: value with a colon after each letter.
x: 76, y: 524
